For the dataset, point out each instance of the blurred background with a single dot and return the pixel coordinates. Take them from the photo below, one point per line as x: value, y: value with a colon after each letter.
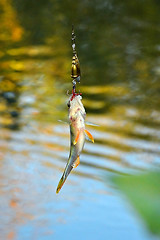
x: 118, y: 44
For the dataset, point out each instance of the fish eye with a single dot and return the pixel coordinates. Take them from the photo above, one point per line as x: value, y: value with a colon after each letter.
x: 68, y: 104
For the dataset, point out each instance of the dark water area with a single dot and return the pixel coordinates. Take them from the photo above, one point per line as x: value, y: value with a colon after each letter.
x: 118, y: 45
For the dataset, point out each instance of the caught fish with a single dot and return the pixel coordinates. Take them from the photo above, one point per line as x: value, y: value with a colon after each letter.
x: 76, y: 115
x: 78, y: 134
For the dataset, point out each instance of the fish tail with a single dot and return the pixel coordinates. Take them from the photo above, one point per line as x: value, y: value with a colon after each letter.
x: 64, y: 177
x: 60, y: 184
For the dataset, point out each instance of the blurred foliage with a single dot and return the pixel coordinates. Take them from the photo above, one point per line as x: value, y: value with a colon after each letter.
x: 143, y: 192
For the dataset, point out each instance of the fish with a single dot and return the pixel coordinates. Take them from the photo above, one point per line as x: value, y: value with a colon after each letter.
x: 78, y: 135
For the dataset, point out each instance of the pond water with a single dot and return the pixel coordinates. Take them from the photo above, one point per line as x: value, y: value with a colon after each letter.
x: 118, y: 45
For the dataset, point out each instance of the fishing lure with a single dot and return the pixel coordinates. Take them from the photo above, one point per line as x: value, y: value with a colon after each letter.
x: 76, y: 115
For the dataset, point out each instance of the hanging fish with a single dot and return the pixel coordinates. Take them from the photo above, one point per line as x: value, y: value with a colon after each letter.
x: 76, y: 115
x: 78, y: 134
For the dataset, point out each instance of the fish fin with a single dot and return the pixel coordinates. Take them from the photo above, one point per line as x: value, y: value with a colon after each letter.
x: 77, y: 137
x: 63, y: 121
x: 89, y: 135
x: 91, y: 124
x: 60, y: 184
x: 76, y: 163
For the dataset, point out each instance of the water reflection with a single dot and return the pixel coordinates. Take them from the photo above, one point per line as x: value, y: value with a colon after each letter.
x: 118, y: 50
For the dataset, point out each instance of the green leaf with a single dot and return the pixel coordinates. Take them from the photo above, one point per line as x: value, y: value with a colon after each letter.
x: 143, y: 192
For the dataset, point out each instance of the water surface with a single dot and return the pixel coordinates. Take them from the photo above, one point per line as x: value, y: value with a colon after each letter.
x: 118, y: 47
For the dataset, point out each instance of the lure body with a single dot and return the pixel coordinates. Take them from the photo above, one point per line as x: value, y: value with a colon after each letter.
x: 76, y: 114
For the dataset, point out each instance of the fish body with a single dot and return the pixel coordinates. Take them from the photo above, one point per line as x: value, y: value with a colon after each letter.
x: 76, y: 115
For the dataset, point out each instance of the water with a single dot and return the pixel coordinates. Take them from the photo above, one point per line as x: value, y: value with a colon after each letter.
x: 118, y: 47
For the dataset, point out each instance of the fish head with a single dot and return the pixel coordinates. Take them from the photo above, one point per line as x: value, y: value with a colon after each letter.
x: 75, y: 107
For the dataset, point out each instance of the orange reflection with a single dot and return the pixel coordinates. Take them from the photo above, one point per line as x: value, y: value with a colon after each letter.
x: 11, y: 235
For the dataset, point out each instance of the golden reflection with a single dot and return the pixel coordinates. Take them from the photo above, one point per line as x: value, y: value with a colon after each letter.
x: 3, y: 107
x: 94, y: 104
x: 7, y: 85
x: 17, y: 66
x: 1, y: 54
x: 9, y: 27
x: 31, y: 51
x: 47, y: 129
x: 114, y: 90
x: 53, y: 147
